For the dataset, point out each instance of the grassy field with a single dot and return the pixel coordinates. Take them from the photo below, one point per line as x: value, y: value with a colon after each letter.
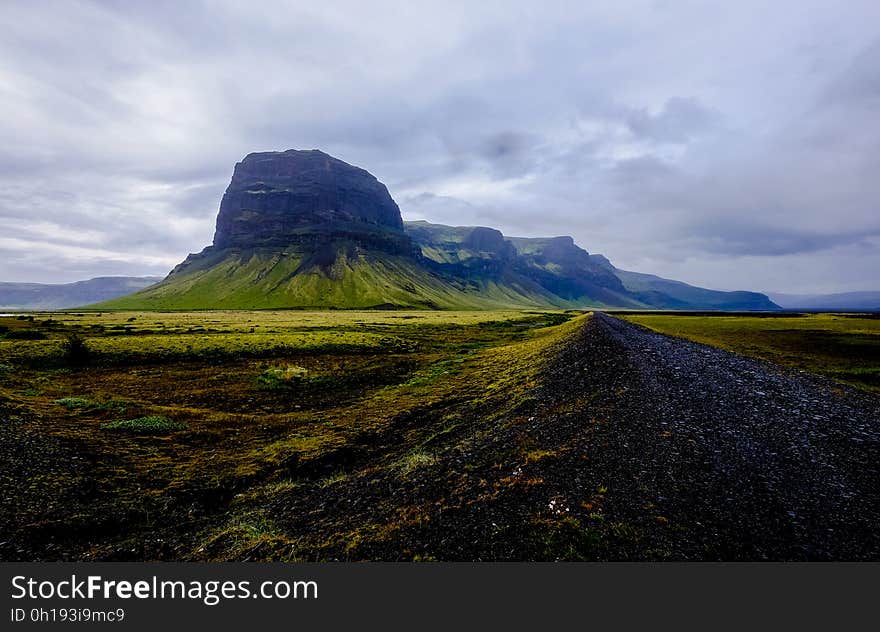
x: 143, y: 336
x: 845, y: 347
x: 167, y: 435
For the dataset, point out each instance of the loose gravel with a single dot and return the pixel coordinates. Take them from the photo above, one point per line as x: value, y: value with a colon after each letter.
x: 749, y: 460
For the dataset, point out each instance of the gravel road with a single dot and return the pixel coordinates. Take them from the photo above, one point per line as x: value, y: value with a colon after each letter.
x: 750, y: 460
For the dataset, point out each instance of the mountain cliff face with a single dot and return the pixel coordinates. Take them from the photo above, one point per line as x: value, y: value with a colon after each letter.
x: 277, y: 199
x: 563, y: 272
x: 302, y: 229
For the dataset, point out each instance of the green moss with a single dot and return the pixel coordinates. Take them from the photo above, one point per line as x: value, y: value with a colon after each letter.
x: 73, y: 403
x: 415, y: 461
x: 281, y: 377
x: 242, y: 537
x: 154, y: 424
x: 85, y: 404
x: 355, y: 418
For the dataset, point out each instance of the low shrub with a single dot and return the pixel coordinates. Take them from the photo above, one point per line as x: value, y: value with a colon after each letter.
x: 282, y: 377
x: 112, y: 405
x: 415, y: 461
x: 72, y: 403
x: 83, y: 403
x: 75, y: 351
x: 25, y: 334
x: 153, y: 424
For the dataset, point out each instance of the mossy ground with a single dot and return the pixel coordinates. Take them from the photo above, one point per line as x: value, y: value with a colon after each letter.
x: 844, y: 347
x: 374, y: 394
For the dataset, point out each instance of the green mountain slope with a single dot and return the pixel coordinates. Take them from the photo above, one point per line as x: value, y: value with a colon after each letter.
x: 554, y: 267
x: 559, y: 268
x: 261, y: 279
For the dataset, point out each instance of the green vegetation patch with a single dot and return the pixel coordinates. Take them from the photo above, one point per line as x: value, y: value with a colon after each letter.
x: 844, y: 347
x: 367, y: 401
x: 416, y: 460
x: 73, y: 403
x: 282, y: 377
x: 84, y: 404
x: 153, y: 424
x: 24, y: 334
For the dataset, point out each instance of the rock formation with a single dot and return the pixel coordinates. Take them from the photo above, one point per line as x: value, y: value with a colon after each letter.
x: 289, y: 197
x: 303, y: 229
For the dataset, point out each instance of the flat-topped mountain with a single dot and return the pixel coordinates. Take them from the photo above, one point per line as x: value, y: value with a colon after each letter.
x: 301, y: 229
x: 280, y: 198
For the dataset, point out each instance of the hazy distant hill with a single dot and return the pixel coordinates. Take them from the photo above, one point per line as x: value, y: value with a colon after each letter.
x: 60, y: 296
x: 845, y: 301
x: 669, y: 294
x: 304, y: 229
x: 561, y: 272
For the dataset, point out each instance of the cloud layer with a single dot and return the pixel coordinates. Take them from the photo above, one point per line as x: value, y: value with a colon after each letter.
x: 732, y: 145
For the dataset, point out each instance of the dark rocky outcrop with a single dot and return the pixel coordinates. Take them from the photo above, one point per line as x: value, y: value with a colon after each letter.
x: 288, y: 197
x: 491, y: 241
x: 568, y: 271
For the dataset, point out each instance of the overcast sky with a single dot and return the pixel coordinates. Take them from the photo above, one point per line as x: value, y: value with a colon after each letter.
x: 734, y: 145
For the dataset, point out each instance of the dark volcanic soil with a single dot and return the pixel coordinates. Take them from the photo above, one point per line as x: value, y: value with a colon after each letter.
x: 749, y: 460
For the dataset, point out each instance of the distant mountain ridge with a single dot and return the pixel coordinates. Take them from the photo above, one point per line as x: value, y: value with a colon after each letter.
x: 301, y: 229
x: 559, y: 269
x: 845, y: 301
x: 48, y: 296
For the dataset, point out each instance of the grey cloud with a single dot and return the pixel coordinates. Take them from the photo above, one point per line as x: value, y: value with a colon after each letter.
x: 709, y: 154
x: 859, y: 83
x: 730, y: 238
x: 680, y: 119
